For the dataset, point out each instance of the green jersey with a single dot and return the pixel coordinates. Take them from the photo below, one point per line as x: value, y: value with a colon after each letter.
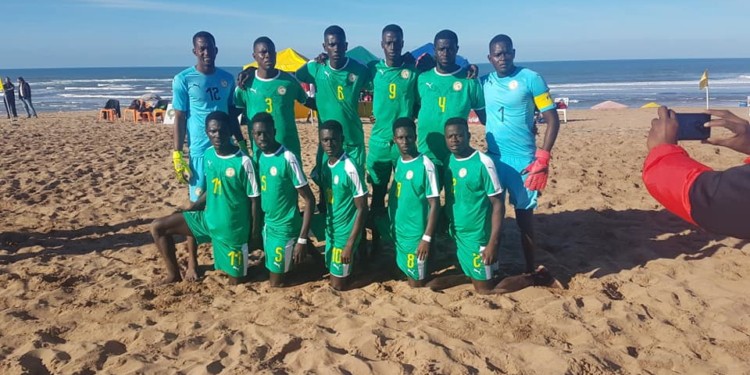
x: 341, y: 183
x: 414, y: 181
x: 230, y: 181
x: 337, y: 95
x: 394, y: 96
x: 443, y: 96
x: 469, y: 184
x: 280, y: 177
x: 276, y: 96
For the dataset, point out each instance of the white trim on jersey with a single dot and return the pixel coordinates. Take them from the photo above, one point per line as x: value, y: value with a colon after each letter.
x: 489, y: 165
x: 446, y: 74
x: 291, y: 158
x: 351, y: 170
x: 278, y: 74
x: 340, y: 69
x: 429, y: 170
x: 247, y: 163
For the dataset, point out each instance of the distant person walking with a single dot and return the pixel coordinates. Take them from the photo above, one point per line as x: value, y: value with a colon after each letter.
x: 24, y: 92
x: 10, y: 97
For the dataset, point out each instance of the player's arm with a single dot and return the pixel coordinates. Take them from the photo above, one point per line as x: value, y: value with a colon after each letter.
x: 553, y: 127
x: 498, y: 210
x: 181, y: 167
x: 359, y: 224
x: 477, y: 100
x: 180, y: 126
x: 255, y: 235
x: 482, y: 114
x: 199, y: 204
x: 432, y: 218
x: 307, y: 195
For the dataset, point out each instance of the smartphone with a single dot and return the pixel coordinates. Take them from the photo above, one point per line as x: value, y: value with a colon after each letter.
x: 690, y: 126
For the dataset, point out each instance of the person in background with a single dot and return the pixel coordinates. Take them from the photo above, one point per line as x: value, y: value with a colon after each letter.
x: 24, y: 93
x: 716, y: 201
x: 10, y: 97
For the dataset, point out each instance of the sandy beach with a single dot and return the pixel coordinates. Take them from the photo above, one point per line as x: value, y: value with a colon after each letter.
x: 646, y: 293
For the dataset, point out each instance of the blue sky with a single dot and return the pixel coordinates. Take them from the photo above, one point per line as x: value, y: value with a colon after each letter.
x: 85, y: 33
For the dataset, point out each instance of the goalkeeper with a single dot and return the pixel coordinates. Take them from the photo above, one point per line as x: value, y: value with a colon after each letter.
x: 511, y: 95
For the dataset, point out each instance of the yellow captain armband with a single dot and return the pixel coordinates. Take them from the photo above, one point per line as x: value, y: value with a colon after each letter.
x: 543, y: 101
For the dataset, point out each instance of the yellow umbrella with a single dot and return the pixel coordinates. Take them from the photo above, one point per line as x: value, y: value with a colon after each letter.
x: 651, y: 105
x: 287, y: 60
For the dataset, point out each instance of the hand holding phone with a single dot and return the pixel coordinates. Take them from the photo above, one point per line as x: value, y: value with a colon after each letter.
x: 691, y: 126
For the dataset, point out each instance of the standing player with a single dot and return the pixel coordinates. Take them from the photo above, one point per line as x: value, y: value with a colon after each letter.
x: 281, y: 182
x: 345, y: 194
x: 474, y: 206
x: 338, y: 84
x: 230, y: 202
x: 413, y: 203
x: 512, y: 93
x: 198, y: 91
x: 274, y: 92
x: 444, y: 93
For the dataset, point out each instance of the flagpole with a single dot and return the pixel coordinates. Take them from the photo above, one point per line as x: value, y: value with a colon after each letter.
x: 707, y: 106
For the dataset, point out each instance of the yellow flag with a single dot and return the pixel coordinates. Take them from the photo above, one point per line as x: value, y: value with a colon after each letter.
x: 703, y: 83
x: 1, y: 84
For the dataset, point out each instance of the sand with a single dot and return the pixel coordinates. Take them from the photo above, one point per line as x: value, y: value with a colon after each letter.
x: 646, y: 293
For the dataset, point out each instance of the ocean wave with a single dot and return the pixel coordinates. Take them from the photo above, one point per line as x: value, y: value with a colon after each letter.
x: 110, y: 88
x: 74, y: 81
x: 94, y: 96
x: 714, y: 82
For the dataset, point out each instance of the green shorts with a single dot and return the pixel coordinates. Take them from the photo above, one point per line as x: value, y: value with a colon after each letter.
x: 470, y: 259
x: 408, y: 262
x: 333, y: 259
x: 230, y: 258
x: 381, y: 159
x: 279, y: 249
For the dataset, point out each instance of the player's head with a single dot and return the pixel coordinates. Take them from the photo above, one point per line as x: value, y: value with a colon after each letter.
x: 405, y: 135
x: 264, y: 52
x: 457, y: 135
x: 392, y: 41
x: 334, y: 43
x: 331, y: 136
x: 20, y: 79
x: 263, y: 131
x: 446, y: 48
x: 204, y: 48
x: 502, y: 54
x: 219, y: 129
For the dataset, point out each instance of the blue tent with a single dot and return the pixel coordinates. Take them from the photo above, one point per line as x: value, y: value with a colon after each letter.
x: 429, y: 48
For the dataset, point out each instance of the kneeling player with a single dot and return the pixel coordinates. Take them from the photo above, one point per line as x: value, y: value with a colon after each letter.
x: 413, y: 203
x: 345, y: 194
x: 281, y: 182
x: 474, y: 206
x: 228, y: 204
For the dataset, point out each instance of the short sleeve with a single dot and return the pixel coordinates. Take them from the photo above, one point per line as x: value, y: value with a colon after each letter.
x: 540, y: 91
x: 359, y: 188
x: 180, y: 98
x: 430, y: 179
x: 299, y: 94
x: 295, y: 171
x: 477, y: 95
x: 239, y: 98
x: 252, y: 180
x: 490, y: 180
x: 304, y: 73
x: 233, y: 89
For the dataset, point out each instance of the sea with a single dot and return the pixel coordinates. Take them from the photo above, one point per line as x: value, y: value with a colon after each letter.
x: 672, y: 82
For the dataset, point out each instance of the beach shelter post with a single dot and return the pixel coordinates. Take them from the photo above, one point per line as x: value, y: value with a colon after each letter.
x: 703, y: 84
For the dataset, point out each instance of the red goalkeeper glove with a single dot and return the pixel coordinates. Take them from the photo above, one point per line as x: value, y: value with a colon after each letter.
x: 537, y: 171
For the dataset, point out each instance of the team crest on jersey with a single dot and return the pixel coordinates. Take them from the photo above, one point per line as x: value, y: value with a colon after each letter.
x: 409, y: 175
x: 273, y: 171
x: 224, y: 83
x: 281, y: 90
x: 513, y: 85
x: 352, y: 77
x: 462, y: 173
x: 457, y: 86
x: 335, y: 180
x: 405, y: 74
x: 198, y: 191
x: 229, y: 172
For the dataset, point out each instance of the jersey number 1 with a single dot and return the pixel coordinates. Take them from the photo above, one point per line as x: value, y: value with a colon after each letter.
x: 213, y: 92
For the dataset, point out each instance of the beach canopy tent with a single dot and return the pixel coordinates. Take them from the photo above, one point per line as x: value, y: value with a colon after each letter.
x: 609, y: 105
x: 651, y: 105
x: 429, y: 49
x: 362, y: 55
x: 288, y: 60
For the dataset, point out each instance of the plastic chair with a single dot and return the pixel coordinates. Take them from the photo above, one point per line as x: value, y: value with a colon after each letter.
x: 107, y: 114
x: 562, y: 107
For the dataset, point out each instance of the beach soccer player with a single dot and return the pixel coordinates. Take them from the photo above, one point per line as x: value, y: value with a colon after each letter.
x: 344, y: 192
x: 512, y: 93
x: 413, y: 203
x: 338, y: 83
x: 274, y: 92
x: 475, y: 210
x: 198, y: 91
x: 282, y: 181
x: 444, y: 93
x: 225, y: 214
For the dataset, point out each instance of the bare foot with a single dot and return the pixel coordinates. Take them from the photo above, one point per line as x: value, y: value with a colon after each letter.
x: 190, y: 275
x: 169, y: 280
